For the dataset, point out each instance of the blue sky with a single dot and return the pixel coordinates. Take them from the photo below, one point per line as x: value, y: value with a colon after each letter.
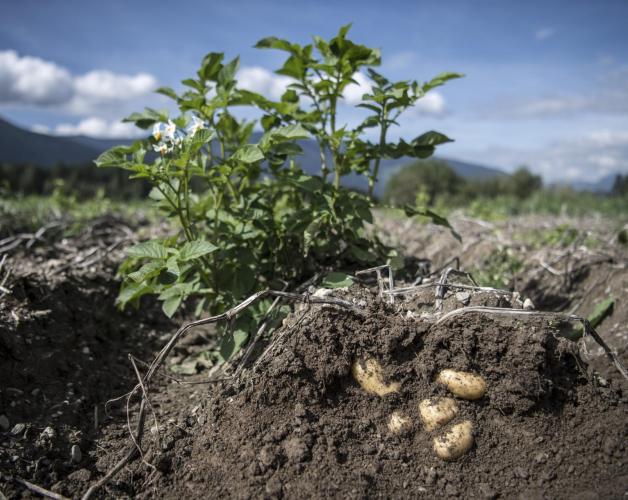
x: 546, y: 84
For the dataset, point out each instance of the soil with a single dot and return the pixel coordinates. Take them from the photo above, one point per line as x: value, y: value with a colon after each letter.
x: 295, y: 423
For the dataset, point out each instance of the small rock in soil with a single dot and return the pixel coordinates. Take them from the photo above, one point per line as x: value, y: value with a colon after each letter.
x: 268, y: 456
x: 299, y: 410
x: 18, y: 429
x: 431, y: 476
x: 451, y: 490
x: 486, y: 492
x: 75, y: 454
x: 273, y: 487
x: 253, y: 469
x: 296, y: 450
x: 463, y: 297
x: 528, y: 305
x: 521, y: 473
x: 4, y: 423
x: 81, y: 475
x: 540, y: 458
x: 48, y: 433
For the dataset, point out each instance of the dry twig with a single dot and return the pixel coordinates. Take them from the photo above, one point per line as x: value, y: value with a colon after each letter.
x: 39, y: 490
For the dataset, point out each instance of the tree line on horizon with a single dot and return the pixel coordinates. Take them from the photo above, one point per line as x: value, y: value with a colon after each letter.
x: 430, y: 180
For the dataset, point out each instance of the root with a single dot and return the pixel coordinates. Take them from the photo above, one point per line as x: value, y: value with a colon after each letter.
x: 39, y: 490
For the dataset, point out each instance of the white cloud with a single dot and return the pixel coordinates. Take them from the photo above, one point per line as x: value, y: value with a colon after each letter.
x: 30, y: 80
x: 433, y: 103
x: 609, y: 97
x: 41, y: 129
x: 589, y: 157
x: 34, y: 81
x: 353, y: 92
x: 99, y: 87
x: 608, y: 137
x: 553, y: 105
x: 545, y: 33
x: 400, y: 60
x: 262, y: 81
x: 97, y: 127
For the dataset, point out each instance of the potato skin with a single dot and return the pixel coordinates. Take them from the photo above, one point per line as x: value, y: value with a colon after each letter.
x: 436, y: 412
x: 465, y: 385
x: 455, y: 442
x: 399, y: 423
x: 369, y: 375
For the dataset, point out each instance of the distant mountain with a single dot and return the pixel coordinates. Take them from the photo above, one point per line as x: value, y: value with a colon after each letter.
x: 99, y: 145
x: 604, y: 185
x: 23, y: 146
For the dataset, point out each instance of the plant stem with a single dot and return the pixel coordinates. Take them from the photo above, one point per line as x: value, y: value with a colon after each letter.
x: 382, y: 143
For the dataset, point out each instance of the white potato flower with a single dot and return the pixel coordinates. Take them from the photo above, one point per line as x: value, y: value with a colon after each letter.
x: 162, y: 148
x: 158, y: 129
x: 170, y: 130
x: 195, y: 126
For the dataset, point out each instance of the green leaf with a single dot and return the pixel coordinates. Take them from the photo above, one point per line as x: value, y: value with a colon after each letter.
x: 601, y: 312
x: 293, y: 67
x: 201, y: 137
x: 130, y: 291
x: 440, y: 80
x: 434, y: 217
x: 148, y: 249
x: 147, y: 271
x: 272, y: 42
x: 363, y: 255
x: 249, y: 153
x: 110, y: 158
x: 293, y: 131
x: 232, y: 343
x: 431, y: 138
x: 195, y: 249
x: 168, y: 92
x: 287, y: 148
x: 211, y: 65
x: 337, y: 280
x: 147, y: 118
x: 195, y: 84
x: 228, y: 71
x: 170, y: 305
x: 306, y: 182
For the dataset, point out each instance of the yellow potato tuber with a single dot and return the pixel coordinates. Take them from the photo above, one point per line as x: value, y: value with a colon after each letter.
x: 398, y: 423
x: 370, y: 377
x: 455, y: 442
x: 465, y: 385
x: 436, y: 412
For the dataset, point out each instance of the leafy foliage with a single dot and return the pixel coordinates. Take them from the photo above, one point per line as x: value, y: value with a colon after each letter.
x: 257, y: 220
x: 498, y: 269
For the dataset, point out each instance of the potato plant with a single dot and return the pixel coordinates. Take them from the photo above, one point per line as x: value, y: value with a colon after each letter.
x: 247, y: 214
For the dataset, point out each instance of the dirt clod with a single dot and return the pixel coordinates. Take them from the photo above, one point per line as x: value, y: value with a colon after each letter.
x: 296, y: 450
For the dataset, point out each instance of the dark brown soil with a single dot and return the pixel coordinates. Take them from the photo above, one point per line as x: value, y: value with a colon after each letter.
x: 296, y: 424
x: 63, y: 353
x: 301, y: 427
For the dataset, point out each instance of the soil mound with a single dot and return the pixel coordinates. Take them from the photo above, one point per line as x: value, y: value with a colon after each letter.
x: 298, y: 425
